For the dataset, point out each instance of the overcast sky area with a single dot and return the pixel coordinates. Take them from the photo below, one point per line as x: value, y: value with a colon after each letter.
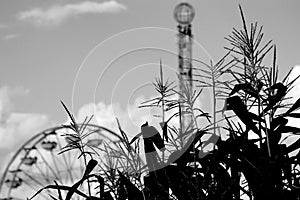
x: 100, y: 56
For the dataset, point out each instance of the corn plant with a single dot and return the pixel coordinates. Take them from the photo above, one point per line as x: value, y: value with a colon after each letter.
x: 250, y: 161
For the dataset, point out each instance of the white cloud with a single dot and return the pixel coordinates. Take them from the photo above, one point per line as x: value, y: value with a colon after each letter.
x: 294, y: 94
x: 57, y: 14
x: 19, y: 126
x: 295, y: 72
x: 10, y: 36
x: 6, y: 105
x: 16, y: 128
x: 131, y: 117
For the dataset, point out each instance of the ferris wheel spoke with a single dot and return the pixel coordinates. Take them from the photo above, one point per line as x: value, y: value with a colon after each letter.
x: 35, y: 189
x: 33, y: 178
x: 55, y: 164
x: 42, y: 173
x: 47, y: 164
x: 71, y: 165
x: 68, y: 166
x: 73, y: 160
x: 81, y: 166
x: 39, y: 164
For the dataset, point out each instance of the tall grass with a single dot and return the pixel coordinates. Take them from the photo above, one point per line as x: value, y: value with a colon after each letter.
x: 250, y: 162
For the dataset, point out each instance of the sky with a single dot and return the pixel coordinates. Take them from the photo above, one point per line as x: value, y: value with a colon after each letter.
x: 100, y: 56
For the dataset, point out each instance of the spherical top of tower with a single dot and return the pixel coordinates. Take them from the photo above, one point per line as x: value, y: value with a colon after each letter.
x: 184, y: 13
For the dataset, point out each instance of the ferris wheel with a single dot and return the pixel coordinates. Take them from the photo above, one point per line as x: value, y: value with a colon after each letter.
x: 38, y: 163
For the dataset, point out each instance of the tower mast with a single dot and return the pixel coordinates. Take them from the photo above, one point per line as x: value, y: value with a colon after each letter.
x: 184, y: 14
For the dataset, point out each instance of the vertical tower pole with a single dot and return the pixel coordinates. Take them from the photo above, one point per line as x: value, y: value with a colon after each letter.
x: 184, y: 14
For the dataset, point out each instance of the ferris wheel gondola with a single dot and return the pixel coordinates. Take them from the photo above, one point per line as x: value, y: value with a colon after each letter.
x: 38, y: 163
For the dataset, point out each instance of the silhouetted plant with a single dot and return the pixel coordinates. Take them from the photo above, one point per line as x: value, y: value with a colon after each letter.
x: 249, y: 160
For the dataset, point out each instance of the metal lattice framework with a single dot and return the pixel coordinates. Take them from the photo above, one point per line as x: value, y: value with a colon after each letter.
x: 37, y: 162
x: 184, y: 14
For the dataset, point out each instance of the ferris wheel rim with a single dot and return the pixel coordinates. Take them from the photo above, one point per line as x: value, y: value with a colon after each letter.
x: 43, y: 134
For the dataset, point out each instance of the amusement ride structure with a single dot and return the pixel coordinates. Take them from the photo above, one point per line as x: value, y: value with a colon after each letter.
x: 184, y: 14
x: 37, y: 163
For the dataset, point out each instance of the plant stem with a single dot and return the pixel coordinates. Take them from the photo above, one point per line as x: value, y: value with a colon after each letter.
x: 85, y: 163
x: 214, y: 100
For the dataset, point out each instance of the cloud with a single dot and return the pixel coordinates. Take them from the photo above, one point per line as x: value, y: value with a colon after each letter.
x: 131, y: 117
x: 6, y: 106
x: 15, y: 127
x: 294, y: 93
x: 58, y: 14
x: 10, y: 36
x: 295, y: 72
